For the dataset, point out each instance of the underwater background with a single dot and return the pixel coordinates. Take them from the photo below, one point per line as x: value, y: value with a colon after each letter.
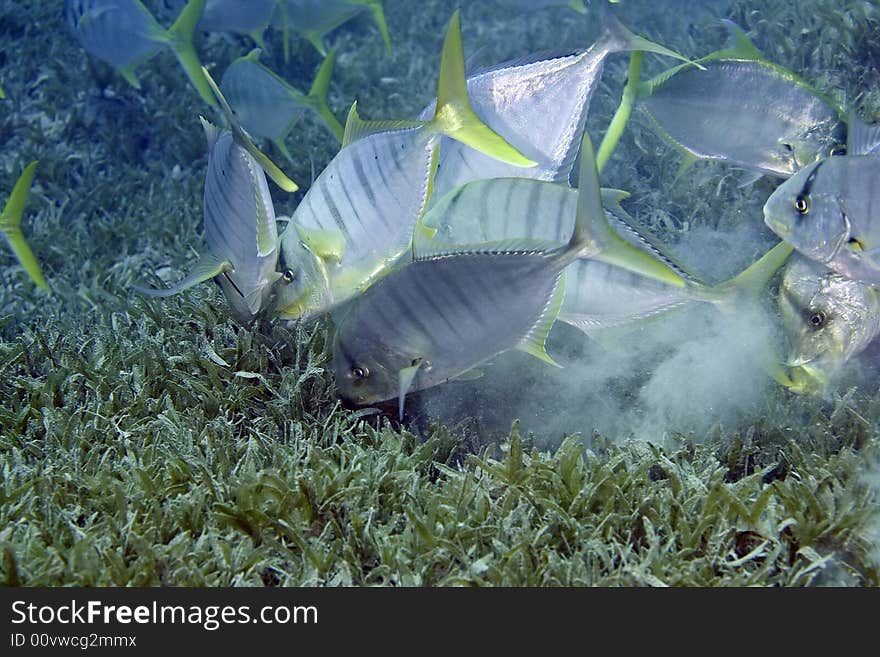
x: 157, y: 442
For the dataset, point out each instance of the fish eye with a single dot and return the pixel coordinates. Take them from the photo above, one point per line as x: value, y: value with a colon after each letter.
x: 817, y: 319
x: 288, y: 275
x: 802, y: 204
x: 360, y: 372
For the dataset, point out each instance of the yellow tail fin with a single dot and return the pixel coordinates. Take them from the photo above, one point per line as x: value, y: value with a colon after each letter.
x: 10, y: 225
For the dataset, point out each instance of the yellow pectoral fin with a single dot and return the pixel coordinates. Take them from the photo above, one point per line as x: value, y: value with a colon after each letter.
x: 327, y: 245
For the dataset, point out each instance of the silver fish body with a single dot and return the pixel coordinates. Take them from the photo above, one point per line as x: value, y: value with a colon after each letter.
x: 827, y: 318
x: 443, y: 315
x: 315, y: 18
x: 747, y: 113
x: 369, y: 210
x: 251, y: 17
x: 267, y: 106
x: 598, y: 295
x: 539, y: 106
x: 123, y: 33
x: 237, y: 205
x: 829, y: 213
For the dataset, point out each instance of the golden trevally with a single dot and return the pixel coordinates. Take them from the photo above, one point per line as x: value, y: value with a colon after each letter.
x: 240, y: 228
x: 828, y: 318
x: 268, y: 107
x: 633, y: 277
x: 124, y: 34
x: 539, y: 105
x: 358, y: 217
x: 315, y: 18
x: 743, y: 110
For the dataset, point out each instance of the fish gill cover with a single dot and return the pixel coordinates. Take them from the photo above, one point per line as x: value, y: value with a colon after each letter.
x: 148, y: 442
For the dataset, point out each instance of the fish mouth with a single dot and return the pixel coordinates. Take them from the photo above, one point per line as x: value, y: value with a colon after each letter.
x: 808, y: 380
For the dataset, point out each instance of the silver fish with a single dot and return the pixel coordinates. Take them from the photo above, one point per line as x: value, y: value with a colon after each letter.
x: 601, y: 292
x: 828, y: 318
x: 240, y: 228
x: 598, y: 294
x: 358, y: 217
x: 268, y: 107
x: 745, y: 111
x: 315, y: 18
x: 538, y: 105
x: 828, y: 212
x: 251, y: 17
x: 448, y: 311
x: 124, y: 34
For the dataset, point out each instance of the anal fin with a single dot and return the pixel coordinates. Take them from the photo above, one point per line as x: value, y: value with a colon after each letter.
x: 534, y: 343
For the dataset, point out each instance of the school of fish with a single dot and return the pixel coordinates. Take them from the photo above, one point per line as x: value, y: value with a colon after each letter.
x: 437, y: 243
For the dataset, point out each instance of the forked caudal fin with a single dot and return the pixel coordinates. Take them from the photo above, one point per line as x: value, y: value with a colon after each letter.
x: 747, y: 286
x: 593, y: 237
x: 10, y: 225
x: 180, y: 39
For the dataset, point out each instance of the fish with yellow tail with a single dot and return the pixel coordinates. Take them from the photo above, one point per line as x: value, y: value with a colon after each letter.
x: 125, y: 34
x: 358, y: 217
x: 10, y: 225
x: 539, y: 104
x: 446, y: 312
x: 744, y: 110
x: 268, y: 107
x: 240, y: 228
x: 313, y: 19
x: 633, y: 278
x: 828, y: 319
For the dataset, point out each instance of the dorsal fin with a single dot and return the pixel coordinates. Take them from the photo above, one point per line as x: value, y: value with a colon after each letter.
x: 356, y: 128
x: 212, y: 132
x: 454, y: 116
x: 593, y: 236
